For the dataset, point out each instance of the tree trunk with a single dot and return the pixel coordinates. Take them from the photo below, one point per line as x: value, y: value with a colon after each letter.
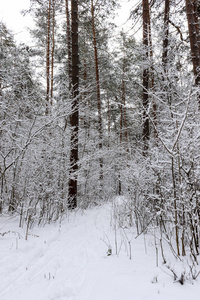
x: 166, y: 35
x: 53, y: 48
x: 165, y: 59
x: 48, y: 58
x: 146, y: 130
x: 69, y: 44
x: 124, y: 115
x: 108, y: 106
x: 193, y: 27
x: 175, y: 208
x: 98, y: 92
x: 74, y: 118
x: 151, y: 73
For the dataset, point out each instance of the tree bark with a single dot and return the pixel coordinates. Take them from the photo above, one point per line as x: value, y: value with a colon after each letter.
x: 166, y: 35
x: 48, y: 58
x: 146, y: 130
x: 165, y: 58
x: 108, y: 106
x: 151, y: 74
x: 53, y: 49
x: 193, y: 27
x: 124, y: 115
x: 175, y: 208
x: 69, y: 43
x: 74, y: 118
x: 100, y: 127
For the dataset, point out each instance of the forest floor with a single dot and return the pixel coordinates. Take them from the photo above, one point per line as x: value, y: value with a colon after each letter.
x: 69, y: 261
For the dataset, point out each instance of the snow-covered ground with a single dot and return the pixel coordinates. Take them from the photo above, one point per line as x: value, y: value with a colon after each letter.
x: 70, y: 261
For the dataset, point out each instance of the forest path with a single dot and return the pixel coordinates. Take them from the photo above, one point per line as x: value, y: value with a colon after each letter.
x: 70, y: 262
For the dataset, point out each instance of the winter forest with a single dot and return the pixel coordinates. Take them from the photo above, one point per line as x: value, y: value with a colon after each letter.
x: 99, y: 129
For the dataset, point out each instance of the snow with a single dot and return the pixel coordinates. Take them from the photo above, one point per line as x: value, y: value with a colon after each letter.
x: 69, y: 261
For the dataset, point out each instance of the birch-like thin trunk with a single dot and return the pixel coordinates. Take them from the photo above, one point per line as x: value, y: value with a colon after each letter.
x: 124, y: 115
x: 108, y: 106
x: 175, y: 208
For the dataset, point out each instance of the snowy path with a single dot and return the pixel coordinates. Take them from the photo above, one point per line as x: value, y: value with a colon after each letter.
x: 70, y: 263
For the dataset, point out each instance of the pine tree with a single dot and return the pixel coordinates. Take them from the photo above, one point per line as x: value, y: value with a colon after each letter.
x: 74, y: 118
x: 146, y: 129
x: 193, y: 26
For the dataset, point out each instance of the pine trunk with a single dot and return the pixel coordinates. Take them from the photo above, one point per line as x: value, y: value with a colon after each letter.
x: 193, y: 26
x: 48, y: 58
x: 146, y: 130
x: 69, y: 43
x: 98, y: 92
x: 53, y: 49
x: 74, y: 118
x: 166, y: 35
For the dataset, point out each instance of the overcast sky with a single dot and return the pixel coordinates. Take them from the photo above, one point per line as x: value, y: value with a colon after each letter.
x: 10, y: 15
